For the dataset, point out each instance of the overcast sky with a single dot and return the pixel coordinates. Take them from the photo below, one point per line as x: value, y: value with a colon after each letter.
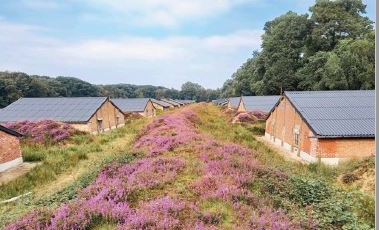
x: 157, y: 42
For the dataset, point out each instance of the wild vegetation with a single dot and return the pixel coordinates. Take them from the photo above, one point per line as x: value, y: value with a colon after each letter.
x: 331, y: 48
x: 44, y: 132
x: 200, y: 171
x: 65, y: 168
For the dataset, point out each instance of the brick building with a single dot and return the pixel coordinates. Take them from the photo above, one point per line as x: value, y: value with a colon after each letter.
x: 10, y: 151
x: 324, y: 125
x: 89, y: 114
x: 141, y: 106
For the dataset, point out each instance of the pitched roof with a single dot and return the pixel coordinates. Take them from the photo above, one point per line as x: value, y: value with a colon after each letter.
x: 130, y: 105
x: 161, y: 103
x: 259, y: 103
x: 10, y: 131
x: 186, y: 101
x: 221, y: 101
x: 176, y: 101
x: 171, y: 102
x: 347, y: 113
x: 64, y: 109
x: 234, y: 101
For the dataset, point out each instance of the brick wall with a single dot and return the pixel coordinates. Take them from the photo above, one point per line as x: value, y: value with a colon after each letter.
x: 110, y: 116
x: 347, y: 147
x: 282, y: 124
x: 284, y: 121
x: 9, y: 147
x: 150, y: 110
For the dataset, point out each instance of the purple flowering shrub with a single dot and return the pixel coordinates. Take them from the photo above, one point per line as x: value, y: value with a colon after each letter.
x: 161, y: 213
x: 107, y: 197
x: 259, y: 114
x: 168, y: 132
x: 225, y: 174
x: 268, y: 218
x: 244, y: 117
x: 34, y: 220
x: 42, y: 132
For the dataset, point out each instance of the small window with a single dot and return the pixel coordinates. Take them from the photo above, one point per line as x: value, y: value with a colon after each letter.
x: 296, y: 139
x: 100, y: 125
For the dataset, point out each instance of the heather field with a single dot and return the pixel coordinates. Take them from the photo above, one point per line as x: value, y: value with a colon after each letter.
x: 193, y: 169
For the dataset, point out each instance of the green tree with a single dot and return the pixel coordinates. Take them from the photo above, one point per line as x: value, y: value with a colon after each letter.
x: 336, y: 20
x: 193, y: 91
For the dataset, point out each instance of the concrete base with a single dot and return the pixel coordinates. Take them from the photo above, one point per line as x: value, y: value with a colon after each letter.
x: 303, y: 155
x: 10, y: 164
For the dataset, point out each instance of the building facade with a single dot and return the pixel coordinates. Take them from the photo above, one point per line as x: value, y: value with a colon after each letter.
x: 89, y: 114
x: 322, y: 126
x: 10, y: 150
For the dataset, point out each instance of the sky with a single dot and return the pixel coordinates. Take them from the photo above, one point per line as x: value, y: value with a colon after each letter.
x: 154, y: 42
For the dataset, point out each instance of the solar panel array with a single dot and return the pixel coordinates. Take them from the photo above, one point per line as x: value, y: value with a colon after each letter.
x: 72, y: 109
x: 337, y: 113
x: 260, y: 103
x: 130, y: 105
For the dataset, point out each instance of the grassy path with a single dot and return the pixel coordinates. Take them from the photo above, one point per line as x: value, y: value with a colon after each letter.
x: 199, y: 171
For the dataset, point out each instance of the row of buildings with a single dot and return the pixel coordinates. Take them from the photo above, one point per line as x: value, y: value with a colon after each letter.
x: 89, y: 114
x: 326, y: 126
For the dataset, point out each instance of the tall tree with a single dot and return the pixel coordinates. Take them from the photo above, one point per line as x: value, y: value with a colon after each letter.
x: 282, y: 52
x: 336, y: 20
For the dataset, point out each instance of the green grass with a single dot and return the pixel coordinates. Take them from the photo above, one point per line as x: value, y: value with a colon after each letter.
x: 215, y: 123
x: 217, y: 212
x: 66, y: 169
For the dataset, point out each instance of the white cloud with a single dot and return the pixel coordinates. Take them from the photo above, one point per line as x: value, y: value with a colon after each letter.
x: 168, y: 61
x: 167, y: 13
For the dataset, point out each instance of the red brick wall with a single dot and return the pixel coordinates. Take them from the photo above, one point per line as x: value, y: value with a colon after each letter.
x: 347, y: 147
x: 285, y: 118
x: 9, y: 147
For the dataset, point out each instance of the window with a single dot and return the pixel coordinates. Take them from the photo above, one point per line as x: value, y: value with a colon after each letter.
x: 99, y: 125
x: 296, y: 139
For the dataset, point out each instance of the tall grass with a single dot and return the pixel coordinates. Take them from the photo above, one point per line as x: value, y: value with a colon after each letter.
x: 57, y: 159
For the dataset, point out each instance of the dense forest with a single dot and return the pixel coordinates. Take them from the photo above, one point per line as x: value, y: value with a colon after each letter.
x: 332, y: 48
x: 14, y: 85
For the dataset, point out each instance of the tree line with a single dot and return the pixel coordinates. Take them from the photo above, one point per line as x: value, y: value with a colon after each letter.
x: 14, y: 85
x: 332, y: 48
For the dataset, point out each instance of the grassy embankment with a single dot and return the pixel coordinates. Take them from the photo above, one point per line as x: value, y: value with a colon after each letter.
x: 358, y: 174
x: 314, y: 183
x: 65, y: 169
x: 311, y: 184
